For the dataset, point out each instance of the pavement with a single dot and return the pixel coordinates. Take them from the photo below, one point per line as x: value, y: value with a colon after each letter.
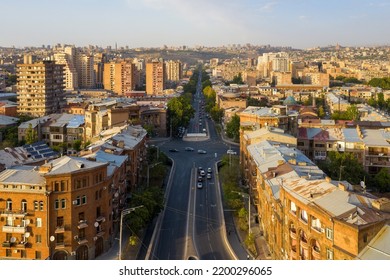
x: 235, y: 236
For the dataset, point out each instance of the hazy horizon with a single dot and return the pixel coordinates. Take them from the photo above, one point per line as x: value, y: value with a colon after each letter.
x: 299, y: 24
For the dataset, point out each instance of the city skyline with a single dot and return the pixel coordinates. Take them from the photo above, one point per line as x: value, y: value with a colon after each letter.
x: 154, y: 23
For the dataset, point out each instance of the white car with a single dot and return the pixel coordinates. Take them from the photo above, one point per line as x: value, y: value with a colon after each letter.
x: 231, y: 152
x: 199, y: 185
x: 202, y: 152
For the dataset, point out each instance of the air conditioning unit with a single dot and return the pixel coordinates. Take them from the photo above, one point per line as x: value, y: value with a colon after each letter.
x: 104, y: 188
x: 73, y: 253
x: 74, y: 202
x: 75, y: 237
x: 95, y: 238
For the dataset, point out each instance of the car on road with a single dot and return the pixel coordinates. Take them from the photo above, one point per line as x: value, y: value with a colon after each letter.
x: 173, y: 150
x: 202, y: 173
x: 199, y: 185
x: 200, y: 178
x: 231, y: 152
x: 209, y: 170
x: 208, y: 175
x: 189, y: 149
x: 202, y: 152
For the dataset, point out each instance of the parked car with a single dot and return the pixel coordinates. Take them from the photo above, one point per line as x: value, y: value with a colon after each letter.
x: 173, y: 150
x: 202, y: 152
x: 231, y: 152
x: 189, y: 149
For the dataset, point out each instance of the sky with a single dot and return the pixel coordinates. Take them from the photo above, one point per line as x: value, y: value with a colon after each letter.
x: 155, y: 23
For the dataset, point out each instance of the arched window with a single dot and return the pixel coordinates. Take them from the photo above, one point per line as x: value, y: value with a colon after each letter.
x: 24, y: 205
x: 9, y: 204
x: 36, y: 208
x: 41, y: 205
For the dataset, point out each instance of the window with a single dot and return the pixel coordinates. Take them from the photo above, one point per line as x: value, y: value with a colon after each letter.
x: 24, y: 205
x: 38, y: 238
x: 84, y: 199
x: 36, y: 205
x: 56, y: 204
x: 293, y: 208
x: 78, y: 200
x: 39, y: 222
x: 329, y: 254
x: 81, y: 216
x: 63, y: 203
x: 60, y: 221
x: 303, y: 216
x: 62, y: 186
x: 315, y: 223
x: 9, y: 204
x: 38, y: 255
x: 8, y: 253
x: 365, y: 238
x: 96, y: 195
x: 41, y: 205
x: 23, y: 254
x: 60, y: 238
x: 56, y: 186
x: 329, y: 233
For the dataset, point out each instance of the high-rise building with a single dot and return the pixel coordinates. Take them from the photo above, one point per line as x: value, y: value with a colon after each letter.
x: 40, y: 88
x: 98, y: 68
x: 85, y: 69
x: 155, y: 77
x: 120, y: 77
x: 173, y: 70
x: 70, y: 74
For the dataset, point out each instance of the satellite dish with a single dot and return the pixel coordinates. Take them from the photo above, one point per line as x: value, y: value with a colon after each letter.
x: 27, y: 234
x: 27, y: 222
x: 116, y: 194
x: 52, y: 238
x: 13, y: 239
x: 96, y: 224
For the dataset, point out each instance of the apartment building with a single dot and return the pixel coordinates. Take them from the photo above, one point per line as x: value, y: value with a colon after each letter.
x: 60, y: 210
x: 173, y: 70
x: 305, y: 215
x: 40, y: 88
x: 371, y: 147
x: 70, y: 73
x: 277, y: 116
x: 155, y: 82
x: 120, y: 77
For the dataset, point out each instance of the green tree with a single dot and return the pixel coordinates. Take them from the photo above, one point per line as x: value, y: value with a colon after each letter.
x: 343, y: 166
x: 382, y: 180
x: 216, y: 113
x: 180, y: 111
x: 237, y: 79
x: 233, y: 128
x: 321, y: 112
x: 77, y: 145
x: 352, y: 113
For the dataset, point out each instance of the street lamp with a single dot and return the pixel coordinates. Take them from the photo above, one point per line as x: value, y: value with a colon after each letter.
x: 249, y: 209
x: 124, y: 213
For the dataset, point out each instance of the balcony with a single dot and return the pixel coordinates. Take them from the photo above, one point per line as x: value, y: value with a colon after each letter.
x: 304, y: 244
x: 13, y: 229
x: 101, y: 218
x: 82, y: 224
x: 22, y: 244
x: 293, y: 254
x: 60, y: 229
x: 82, y: 241
x: 7, y: 244
x: 316, y: 254
x: 293, y: 233
x: 17, y: 214
x: 60, y: 245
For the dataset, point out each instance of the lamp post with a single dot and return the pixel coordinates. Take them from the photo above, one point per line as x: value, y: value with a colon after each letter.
x: 124, y: 213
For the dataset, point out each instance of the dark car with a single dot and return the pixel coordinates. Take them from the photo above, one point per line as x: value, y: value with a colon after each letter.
x: 173, y: 150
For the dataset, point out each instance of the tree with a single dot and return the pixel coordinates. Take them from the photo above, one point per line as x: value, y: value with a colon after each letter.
x: 343, y: 166
x: 180, y: 111
x: 216, y: 113
x: 352, y: 113
x: 233, y: 127
x: 382, y: 180
x: 77, y: 145
x: 237, y: 79
x: 321, y: 112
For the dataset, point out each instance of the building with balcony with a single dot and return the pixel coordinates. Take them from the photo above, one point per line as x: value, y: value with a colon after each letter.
x: 305, y: 215
x: 60, y: 210
x: 155, y: 77
x: 40, y: 88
